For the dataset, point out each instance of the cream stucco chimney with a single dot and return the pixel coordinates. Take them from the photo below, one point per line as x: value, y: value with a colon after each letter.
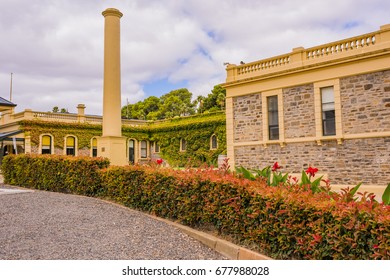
x: 112, y: 145
x: 112, y: 125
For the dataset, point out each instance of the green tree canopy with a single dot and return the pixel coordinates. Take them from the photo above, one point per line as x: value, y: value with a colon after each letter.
x: 175, y: 103
x: 214, y: 101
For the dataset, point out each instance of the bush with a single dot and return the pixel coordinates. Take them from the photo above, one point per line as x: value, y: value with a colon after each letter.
x: 285, y: 222
x: 79, y: 175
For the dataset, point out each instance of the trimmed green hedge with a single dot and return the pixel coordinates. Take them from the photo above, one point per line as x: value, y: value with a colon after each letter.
x: 285, y: 222
x: 79, y: 175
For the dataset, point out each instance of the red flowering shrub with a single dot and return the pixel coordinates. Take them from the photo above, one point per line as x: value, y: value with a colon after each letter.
x: 276, y: 166
x: 312, y: 171
x: 286, y: 222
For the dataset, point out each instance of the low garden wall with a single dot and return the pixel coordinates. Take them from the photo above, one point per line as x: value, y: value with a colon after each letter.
x: 283, y: 222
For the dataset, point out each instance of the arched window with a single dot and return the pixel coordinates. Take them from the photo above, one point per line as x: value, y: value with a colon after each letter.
x: 183, y: 145
x: 213, y: 142
x: 144, y: 149
x: 94, y: 147
x: 71, y: 146
x: 46, y: 145
x: 132, y: 151
x: 156, y: 147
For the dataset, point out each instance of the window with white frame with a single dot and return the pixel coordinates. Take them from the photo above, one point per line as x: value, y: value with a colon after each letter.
x: 273, y: 117
x: 144, y: 149
x: 156, y: 147
x: 328, y: 111
x: 132, y: 151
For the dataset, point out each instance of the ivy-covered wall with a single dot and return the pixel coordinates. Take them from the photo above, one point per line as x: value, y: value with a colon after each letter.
x: 84, y: 132
x: 196, y: 130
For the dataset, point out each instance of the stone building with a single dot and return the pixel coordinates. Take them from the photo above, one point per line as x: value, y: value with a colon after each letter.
x: 327, y: 106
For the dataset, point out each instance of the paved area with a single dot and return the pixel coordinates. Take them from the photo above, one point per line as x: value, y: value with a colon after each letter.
x: 46, y: 225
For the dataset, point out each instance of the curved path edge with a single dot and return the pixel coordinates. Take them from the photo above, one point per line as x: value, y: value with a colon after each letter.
x: 224, y: 247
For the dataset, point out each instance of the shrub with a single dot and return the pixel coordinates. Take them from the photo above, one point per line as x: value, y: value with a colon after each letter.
x: 285, y: 222
x: 288, y: 222
x: 78, y: 175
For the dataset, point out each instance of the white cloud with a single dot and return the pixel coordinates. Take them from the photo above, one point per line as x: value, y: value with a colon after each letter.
x: 55, y: 48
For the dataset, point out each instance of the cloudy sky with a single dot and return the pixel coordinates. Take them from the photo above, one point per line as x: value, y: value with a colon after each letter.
x: 54, y: 48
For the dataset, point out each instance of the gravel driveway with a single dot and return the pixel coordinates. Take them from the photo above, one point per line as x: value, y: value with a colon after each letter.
x: 45, y: 225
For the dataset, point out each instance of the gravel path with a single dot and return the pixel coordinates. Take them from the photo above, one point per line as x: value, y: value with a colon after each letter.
x: 46, y: 225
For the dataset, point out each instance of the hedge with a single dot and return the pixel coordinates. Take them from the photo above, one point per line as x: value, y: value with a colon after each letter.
x: 285, y: 222
x: 79, y: 175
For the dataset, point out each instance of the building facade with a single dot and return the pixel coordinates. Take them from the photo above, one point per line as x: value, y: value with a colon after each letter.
x: 326, y: 106
x: 77, y: 134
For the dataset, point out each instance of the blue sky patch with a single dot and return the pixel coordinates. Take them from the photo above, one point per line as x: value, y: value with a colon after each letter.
x: 351, y: 24
x: 161, y: 87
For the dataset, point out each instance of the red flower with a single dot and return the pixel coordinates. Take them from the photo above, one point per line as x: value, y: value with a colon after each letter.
x: 159, y: 161
x: 276, y: 166
x: 295, y: 179
x: 317, y: 237
x: 312, y: 171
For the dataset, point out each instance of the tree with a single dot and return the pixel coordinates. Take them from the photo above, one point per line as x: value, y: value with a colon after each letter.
x: 57, y: 110
x: 151, y: 107
x: 199, y: 104
x: 215, y: 100
x: 177, y: 103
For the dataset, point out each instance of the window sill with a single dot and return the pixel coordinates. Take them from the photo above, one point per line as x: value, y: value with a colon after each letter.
x: 274, y: 142
x: 337, y: 138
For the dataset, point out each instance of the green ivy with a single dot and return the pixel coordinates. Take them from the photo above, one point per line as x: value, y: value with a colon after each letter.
x: 196, y: 130
x: 84, y: 132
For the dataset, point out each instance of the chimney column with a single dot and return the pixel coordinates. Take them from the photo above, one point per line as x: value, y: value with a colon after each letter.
x: 112, y: 145
x: 112, y: 124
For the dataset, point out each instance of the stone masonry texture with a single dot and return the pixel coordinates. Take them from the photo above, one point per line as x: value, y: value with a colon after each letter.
x: 247, y: 118
x: 365, y: 102
x: 298, y: 103
x: 359, y: 160
x: 365, y: 105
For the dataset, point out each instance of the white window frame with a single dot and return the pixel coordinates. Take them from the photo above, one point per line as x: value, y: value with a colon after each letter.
x: 264, y: 96
x: 335, y: 83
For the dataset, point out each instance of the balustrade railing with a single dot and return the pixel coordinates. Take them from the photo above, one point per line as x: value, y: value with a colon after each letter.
x: 64, y: 117
x: 305, y: 57
x: 263, y: 64
x: 364, y: 41
x: 57, y: 116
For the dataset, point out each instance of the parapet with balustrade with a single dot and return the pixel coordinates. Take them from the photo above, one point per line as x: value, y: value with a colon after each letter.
x: 28, y: 114
x: 343, y: 50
